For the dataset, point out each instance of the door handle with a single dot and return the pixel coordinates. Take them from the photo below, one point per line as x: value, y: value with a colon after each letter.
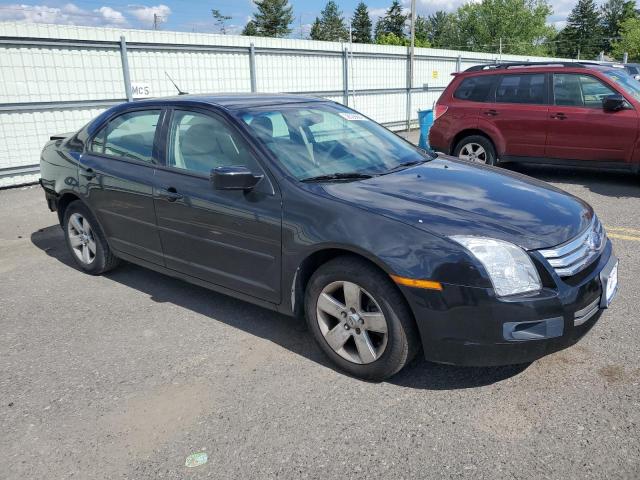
x: 559, y: 116
x: 170, y: 194
x: 490, y: 113
x: 87, y: 173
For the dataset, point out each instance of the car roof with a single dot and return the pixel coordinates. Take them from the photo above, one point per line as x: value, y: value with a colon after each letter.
x: 232, y: 101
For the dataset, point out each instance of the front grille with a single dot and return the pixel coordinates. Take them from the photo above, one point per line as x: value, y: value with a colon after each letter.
x: 575, y: 255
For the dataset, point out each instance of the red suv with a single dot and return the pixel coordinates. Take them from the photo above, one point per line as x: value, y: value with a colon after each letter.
x: 558, y: 113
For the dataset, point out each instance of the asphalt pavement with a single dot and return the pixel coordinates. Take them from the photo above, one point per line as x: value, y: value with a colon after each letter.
x: 126, y: 375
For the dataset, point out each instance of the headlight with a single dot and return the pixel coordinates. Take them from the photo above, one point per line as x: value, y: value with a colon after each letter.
x: 509, y: 267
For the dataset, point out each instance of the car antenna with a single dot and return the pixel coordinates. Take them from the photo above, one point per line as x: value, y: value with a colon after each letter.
x: 180, y: 92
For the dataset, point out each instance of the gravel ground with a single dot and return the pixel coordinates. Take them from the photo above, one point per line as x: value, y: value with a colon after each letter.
x: 125, y: 375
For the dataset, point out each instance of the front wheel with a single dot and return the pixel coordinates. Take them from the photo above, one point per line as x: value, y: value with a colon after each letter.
x: 360, y: 319
x: 476, y: 148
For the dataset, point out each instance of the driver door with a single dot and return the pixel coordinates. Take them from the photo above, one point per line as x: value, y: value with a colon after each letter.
x: 230, y: 238
x: 581, y: 129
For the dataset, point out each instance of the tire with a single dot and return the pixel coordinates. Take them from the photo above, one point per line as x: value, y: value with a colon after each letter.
x: 85, y: 240
x: 361, y: 347
x: 468, y: 148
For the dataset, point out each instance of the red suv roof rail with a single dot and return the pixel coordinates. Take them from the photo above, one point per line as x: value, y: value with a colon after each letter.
x: 504, y: 66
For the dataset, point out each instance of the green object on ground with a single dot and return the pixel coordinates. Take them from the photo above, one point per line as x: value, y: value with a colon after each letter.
x: 196, y: 459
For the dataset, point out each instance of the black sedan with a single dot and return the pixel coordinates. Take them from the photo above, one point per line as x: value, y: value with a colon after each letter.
x: 306, y: 207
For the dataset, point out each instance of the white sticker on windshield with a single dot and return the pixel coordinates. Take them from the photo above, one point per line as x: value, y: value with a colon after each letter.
x: 353, y: 116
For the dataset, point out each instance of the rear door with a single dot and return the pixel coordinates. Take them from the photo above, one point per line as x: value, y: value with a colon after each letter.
x: 230, y: 238
x: 116, y: 174
x: 581, y: 129
x: 518, y: 118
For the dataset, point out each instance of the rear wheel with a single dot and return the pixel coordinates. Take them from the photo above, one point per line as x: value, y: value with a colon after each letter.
x: 360, y: 319
x: 85, y: 240
x: 476, y: 148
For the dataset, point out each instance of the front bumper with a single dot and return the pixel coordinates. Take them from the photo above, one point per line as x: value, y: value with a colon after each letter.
x: 471, y: 326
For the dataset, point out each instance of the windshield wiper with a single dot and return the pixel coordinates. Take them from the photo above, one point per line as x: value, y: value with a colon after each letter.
x: 402, y: 166
x: 337, y: 176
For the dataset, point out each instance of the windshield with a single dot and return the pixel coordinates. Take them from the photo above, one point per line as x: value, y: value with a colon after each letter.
x: 626, y: 81
x: 324, y: 139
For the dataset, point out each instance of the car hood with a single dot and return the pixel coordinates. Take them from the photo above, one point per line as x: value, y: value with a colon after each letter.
x: 447, y: 197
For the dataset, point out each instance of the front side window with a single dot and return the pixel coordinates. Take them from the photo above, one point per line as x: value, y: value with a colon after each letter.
x: 130, y: 135
x: 475, y: 89
x: 326, y: 139
x: 576, y: 90
x: 528, y: 89
x: 626, y: 82
x: 199, y: 143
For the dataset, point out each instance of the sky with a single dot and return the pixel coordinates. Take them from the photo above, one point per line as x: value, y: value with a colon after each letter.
x: 195, y: 15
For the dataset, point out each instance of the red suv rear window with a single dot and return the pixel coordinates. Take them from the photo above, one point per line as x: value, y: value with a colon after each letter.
x: 475, y: 89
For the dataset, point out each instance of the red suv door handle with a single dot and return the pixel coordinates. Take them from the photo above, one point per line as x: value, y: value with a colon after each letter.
x: 490, y: 113
x: 559, y: 116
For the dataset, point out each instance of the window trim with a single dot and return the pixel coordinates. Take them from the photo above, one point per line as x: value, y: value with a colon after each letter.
x: 154, y: 150
x: 545, y: 89
x: 584, y: 74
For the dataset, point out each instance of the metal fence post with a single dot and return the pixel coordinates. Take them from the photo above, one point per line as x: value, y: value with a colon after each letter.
x: 125, y: 68
x: 252, y: 67
x: 409, y: 83
x: 459, y: 63
x: 345, y: 77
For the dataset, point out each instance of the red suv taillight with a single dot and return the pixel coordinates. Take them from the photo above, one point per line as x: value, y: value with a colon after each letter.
x: 439, y: 111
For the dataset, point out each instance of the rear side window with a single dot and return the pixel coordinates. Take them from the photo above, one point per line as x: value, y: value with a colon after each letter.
x: 527, y: 89
x: 632, y: 70
x: 128, y: 136
x: 475, y: 89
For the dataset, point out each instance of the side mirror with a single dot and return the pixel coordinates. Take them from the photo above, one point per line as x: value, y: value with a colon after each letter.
x: 637, y: 77
x: 234, y: 178
x: 613, y: 103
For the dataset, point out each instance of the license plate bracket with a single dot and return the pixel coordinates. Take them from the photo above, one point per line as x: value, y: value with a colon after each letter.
x: 609, y: 282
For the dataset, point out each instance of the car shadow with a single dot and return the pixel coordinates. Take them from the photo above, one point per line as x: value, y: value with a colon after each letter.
x: 288, y: 332
x: 603, y: 182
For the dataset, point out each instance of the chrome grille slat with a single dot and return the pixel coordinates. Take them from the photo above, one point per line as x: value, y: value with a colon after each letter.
x: 575, y: 255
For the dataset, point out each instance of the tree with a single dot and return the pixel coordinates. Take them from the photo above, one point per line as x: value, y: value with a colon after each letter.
x: 392, y: 22
x: 613, y: 14
x: 220, y: 20
x: 582, y: 37
x: 393, y: 39
x: 442, y: 30
x: 629, y: 39
x: 330, y: 26
x: 422, y: 28
x: 250, y: 29
x: 361, y: 24
x: 520, y: 24
x: 272, y: 18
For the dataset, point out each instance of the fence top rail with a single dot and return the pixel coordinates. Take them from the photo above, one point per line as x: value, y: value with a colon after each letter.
x: 115, y: 44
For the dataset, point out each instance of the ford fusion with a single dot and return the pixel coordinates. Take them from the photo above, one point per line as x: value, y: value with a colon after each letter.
x: 308, y: 208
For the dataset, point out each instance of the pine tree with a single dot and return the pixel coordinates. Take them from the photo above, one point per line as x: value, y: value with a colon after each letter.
x: 361, y: 24
x: 221, y: 20
x: 583, y: 34
x: 330, y: 26
x: 250, y: 29
x: 392, y: 22
x: 272, y: 18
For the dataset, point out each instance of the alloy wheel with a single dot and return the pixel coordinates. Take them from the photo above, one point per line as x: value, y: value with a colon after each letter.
x: 473, y: 152
x: 81, y: 237
x: 352, y: 322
